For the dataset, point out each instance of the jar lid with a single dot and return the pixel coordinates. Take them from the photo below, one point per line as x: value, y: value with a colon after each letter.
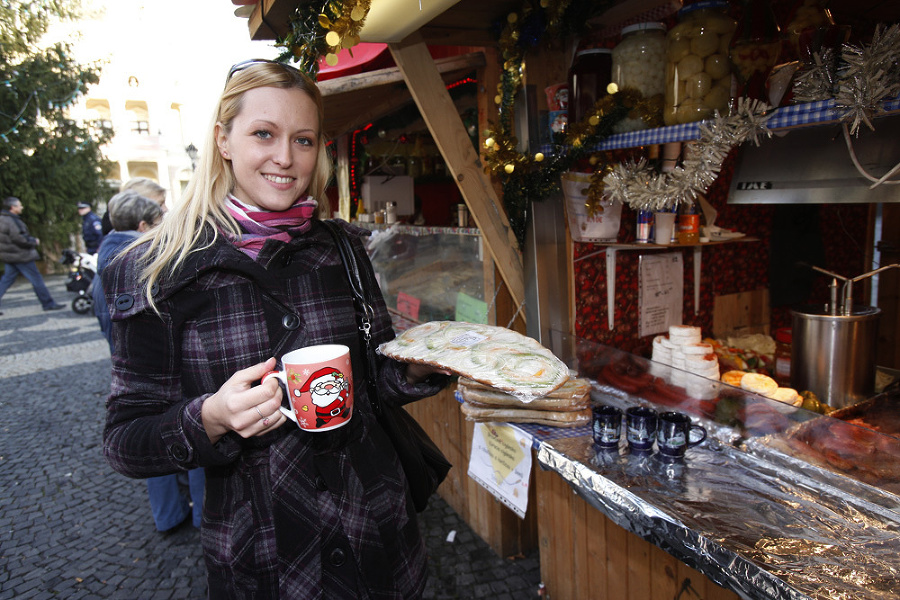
x: 723, y: 4
x: 783, y: 335
x: 649, y: 26
x: 594, y: 51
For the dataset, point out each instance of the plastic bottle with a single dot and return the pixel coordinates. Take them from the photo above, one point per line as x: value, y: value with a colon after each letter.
x: 698, y: 71
x: 687, y: 224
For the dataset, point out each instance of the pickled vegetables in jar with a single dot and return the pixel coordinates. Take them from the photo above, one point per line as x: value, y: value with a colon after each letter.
x: 639, y: 64
x: 698, y: 70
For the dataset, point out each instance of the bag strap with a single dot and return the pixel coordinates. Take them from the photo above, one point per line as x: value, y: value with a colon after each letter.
x: 364, y: 310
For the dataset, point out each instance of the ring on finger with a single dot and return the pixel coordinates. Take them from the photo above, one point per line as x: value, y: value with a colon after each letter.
x: 256, y: 408
x: 266, y: 422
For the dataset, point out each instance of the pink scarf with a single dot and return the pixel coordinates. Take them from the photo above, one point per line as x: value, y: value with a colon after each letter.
x: 260, y: 225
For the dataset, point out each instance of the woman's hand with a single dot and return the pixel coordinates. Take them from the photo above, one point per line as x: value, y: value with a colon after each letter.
x: 416, y: 373
x: 241, y: 407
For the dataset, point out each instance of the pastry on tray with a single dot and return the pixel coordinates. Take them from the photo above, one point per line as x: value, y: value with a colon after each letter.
x: 495, y: 356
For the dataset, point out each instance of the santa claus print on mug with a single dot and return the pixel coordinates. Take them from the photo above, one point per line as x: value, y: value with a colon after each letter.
x: 319, y: 383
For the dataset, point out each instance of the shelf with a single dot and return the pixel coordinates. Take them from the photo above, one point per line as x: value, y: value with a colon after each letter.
x: 613, y: 249
x: 796, y: 115
x: 652, y: 246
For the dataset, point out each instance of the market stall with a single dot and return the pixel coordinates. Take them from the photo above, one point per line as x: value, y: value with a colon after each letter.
x: 758, y: 510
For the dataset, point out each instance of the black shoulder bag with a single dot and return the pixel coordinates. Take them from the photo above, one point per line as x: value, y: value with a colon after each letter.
x: 423, y: 462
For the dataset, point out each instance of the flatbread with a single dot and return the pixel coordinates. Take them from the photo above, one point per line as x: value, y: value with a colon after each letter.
x: 551, y: 418
x: 478, y: 394
x: 495, y: 356
x: 575, y: 387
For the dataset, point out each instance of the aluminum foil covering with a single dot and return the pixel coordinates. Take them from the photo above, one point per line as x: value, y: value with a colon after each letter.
x: 755, y: 526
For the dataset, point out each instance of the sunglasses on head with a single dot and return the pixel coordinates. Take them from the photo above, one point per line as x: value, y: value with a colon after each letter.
x: 257, y: 61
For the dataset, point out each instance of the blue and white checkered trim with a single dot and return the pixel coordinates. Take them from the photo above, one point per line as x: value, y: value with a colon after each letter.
x: 795, y: 115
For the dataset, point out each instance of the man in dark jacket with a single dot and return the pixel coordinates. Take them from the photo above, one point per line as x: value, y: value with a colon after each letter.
x: 91, y: 228
x: 18, y: 251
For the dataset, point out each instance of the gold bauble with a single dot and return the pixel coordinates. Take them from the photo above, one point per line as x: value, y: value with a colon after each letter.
x: 594, y: 120
x: 358, y: 13
x: 332, y: 38
x: 331, y: 59
x: 489, y: 142
x: 509, y: 169
x: 539, y: 157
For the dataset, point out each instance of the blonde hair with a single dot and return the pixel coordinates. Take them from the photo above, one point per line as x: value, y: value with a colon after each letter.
x: 181, y: 232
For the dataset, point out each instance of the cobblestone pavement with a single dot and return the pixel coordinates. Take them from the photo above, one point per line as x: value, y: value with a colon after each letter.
x: 72, y: 528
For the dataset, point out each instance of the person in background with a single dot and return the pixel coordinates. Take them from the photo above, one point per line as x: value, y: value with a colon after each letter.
x: 145, y: 187
x: 91, y: 228
x: 132, y: 215
x: 241, y: 270
x: 18, y: 252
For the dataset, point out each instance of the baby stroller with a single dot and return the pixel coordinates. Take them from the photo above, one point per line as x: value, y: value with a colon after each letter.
x: 81, y: 276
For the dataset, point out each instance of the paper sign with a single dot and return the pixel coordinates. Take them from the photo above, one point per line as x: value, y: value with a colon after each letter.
x: 470, y: 310
x: 660, y: 292
x: 501, y: 463
x: 408, y: 305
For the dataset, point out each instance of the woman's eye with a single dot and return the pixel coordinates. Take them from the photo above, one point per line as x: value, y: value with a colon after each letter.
x: 262, y: 134
x: 305, y: 141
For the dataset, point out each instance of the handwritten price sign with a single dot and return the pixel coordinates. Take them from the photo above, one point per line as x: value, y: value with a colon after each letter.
x: 408, y: 306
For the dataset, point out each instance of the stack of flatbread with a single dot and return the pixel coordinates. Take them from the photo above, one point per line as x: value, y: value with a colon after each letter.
x: 567, y: 406
x: 495, y: 356
x: 504, y: 375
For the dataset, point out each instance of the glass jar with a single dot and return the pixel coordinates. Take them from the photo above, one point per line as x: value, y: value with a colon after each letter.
x: 698, y: 72
x: 589, y: 78
x: 639, y: 63
x: 755, y: 49
x: 783, y: 339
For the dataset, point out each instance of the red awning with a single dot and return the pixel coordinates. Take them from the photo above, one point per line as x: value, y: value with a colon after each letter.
x: 365, y: 57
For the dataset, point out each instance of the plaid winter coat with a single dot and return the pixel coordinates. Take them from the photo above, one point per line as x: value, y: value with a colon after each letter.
x: 289, y: 514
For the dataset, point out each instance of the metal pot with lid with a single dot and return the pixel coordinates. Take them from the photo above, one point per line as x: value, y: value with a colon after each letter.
x: 834, y: 346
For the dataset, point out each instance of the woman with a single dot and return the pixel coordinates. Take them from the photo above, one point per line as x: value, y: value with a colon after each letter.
x: 239, y: 272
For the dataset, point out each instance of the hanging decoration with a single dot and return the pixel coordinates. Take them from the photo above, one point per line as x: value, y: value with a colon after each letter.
x: 324, y: 33
x: 644, y: 188
x: 860, y: 79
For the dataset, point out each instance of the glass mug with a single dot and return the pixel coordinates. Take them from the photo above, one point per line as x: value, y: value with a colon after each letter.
x: 607, y: 426
x: 640, y: 428
x: 673, y: 436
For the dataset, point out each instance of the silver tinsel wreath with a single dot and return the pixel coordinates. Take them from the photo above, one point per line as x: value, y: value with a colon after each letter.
x: 643, y: 188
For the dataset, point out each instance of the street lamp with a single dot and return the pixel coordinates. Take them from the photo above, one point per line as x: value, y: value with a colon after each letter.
x: 192, y: 153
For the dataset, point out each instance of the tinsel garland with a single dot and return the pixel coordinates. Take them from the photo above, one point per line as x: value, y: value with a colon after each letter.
x: 859, y: 80
x: 323, y: 33
x: 644, y: 188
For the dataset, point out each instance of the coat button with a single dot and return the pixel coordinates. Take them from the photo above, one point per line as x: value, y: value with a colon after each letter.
x: 337, y: 557
x: 154, y: 289
x: 320, y: 483
x: 124, y: 301
x: 179, y: 451
x: 290, y: 322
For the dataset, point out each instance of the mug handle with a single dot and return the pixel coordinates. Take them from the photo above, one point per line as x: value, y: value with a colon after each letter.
x: 702, y: 437
x: 279, y: 375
